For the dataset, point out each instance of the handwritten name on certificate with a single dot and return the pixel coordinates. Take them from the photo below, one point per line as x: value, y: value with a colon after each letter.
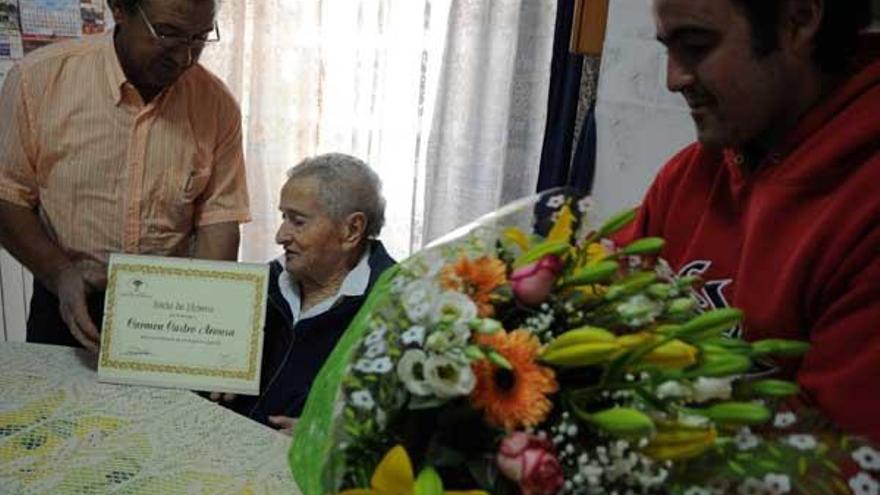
x: 183, y: 323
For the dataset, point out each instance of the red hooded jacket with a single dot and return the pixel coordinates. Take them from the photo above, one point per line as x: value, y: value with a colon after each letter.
x: 794, y: 244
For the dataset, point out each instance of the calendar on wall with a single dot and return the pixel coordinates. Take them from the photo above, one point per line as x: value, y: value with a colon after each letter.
x: 26, y: 25
x: 55, y: 18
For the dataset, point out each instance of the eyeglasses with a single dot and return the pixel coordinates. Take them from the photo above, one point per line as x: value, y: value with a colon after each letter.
x: 171, y: 42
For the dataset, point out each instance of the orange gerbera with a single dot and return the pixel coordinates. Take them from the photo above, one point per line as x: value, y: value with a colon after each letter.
x: 516, y: 397
x: 477, y: 278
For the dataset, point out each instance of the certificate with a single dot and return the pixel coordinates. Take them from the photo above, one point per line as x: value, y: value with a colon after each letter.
x: 183, y: 323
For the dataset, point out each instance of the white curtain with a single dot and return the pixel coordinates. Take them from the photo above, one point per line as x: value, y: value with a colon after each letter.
x: 364, y: 77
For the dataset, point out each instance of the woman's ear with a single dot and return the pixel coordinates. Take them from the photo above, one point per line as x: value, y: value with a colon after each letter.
x: 354, y: 229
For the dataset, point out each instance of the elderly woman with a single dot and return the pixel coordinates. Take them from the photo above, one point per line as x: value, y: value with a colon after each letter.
x: 332, y: 212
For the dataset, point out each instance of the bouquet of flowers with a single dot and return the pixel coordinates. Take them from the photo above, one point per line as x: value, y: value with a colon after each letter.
x: 531, y: 354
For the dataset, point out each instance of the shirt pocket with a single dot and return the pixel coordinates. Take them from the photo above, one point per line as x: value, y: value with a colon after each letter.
x: 192, y: 179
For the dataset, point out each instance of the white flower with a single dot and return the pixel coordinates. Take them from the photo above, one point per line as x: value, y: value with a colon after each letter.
x: 718, y: 486
x: 639, y: 310
x: 439, y: 342
x: 382, y: 365
x: 376, y: 336
x: 697, y: 490
x: 673, y: 389
x: 556, y: 201
x: 864, y: 484
x: 397, y: 284
x: 362, y: 399
x: 752, y: 486
x: 378, y: 366
x: 712, y: 388
x: 867, y: 458
x: 448, y: 378
x: 745, y: 440
x: 801, y: 442
x: 585, y: 203
x: 777, y: 484
x: 428, y: 264
x: 414, y: 335
x: 416, y: 299
x: 363, y: 365
x: 784, y: 419
x: 411, y: 371
x: 375, y: 350
x: 454, y: 308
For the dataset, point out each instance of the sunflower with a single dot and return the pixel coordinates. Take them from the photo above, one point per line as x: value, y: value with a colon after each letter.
x: 477, y: 278
x: 515, y: 397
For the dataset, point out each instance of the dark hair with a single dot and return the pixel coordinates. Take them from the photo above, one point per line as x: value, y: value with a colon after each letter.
x: 129, y: 6
x: 836, y: 40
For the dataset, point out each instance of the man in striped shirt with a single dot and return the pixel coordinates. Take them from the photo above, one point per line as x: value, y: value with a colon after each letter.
x: 117, y: 143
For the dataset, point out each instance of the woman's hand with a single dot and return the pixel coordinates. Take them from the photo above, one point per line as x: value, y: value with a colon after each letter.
x: 286, y: 423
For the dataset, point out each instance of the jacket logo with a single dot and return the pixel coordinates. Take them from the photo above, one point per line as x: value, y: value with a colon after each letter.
x: 711, y: 294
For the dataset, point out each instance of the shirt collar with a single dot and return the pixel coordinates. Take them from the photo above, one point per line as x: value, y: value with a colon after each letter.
x: 355, y: 284
x: 112, y: 67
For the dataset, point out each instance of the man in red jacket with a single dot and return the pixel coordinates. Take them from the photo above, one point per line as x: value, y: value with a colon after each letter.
x: 777, y: 206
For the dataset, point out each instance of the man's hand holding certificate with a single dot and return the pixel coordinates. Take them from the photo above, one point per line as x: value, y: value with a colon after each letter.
x: 184, y: 323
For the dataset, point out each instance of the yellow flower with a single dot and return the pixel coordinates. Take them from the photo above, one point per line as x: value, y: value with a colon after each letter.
x: 674, y: 354
x: 675, y: 442
x: 563, y: 227
x: 394, y: 476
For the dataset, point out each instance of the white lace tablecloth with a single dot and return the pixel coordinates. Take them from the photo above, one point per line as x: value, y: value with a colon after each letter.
x: 62, y: 432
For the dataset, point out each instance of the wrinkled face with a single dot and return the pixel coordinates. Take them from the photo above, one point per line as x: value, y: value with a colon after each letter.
x: 149, y: 64
x: 736, y: 97
x: 313, y: 242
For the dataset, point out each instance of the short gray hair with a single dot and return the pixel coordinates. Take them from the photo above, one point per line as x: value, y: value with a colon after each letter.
x: 347, y: 185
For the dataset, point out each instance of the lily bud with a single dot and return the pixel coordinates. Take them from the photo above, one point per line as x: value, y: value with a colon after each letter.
x: 623, y: 422
x: 780, y: 347
x: 736, y: 413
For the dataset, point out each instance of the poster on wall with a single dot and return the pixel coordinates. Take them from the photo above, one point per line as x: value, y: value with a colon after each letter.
x: 51, y: 18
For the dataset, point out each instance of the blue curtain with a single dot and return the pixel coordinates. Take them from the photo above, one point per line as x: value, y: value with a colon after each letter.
x: 558, y: 168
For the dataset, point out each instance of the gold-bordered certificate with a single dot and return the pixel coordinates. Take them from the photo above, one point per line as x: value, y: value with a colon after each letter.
x: 183, y: 323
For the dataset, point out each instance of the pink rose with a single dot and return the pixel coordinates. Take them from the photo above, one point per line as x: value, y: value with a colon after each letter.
x: 533, y: 283
x: 530, y: 461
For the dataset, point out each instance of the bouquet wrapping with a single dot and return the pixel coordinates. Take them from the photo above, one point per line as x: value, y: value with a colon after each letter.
x: 529, y: 353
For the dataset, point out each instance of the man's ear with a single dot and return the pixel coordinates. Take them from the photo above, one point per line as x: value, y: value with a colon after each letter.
x: 354, y: 229
x: 801, y: 22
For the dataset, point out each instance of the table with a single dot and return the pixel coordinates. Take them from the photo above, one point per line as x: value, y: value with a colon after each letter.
x: 62, y: 432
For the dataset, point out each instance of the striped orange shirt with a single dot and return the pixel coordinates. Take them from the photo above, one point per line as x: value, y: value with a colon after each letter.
x: 108, y: 173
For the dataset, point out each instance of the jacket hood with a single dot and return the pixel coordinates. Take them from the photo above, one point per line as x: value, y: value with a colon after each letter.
x: 838, y: 134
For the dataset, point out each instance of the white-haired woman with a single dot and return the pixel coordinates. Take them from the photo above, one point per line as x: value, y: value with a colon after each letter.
x: 332, y: 211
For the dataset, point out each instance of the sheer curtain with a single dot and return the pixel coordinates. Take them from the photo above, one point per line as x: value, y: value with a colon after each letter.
x: 364, y: 77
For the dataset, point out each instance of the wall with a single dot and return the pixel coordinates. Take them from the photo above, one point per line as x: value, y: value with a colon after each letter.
x: 639, y: 123
x: 16, y: 286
